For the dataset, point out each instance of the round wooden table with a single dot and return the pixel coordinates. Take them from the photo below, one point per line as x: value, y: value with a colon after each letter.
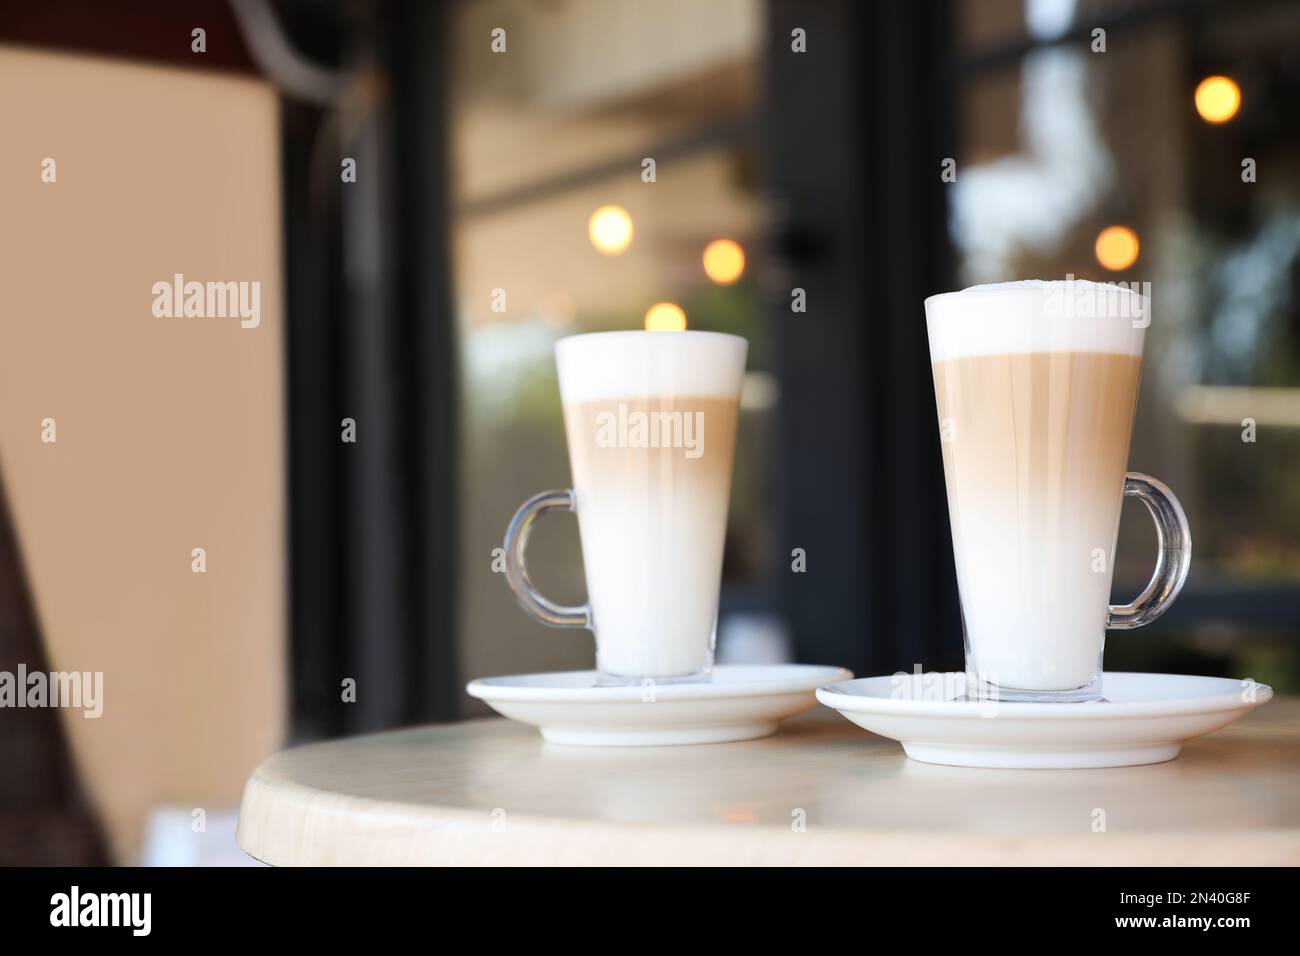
x: 821, y: 791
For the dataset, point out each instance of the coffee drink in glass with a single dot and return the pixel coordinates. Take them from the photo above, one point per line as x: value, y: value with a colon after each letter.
x: 1036, y: 383
x: 651, y: 420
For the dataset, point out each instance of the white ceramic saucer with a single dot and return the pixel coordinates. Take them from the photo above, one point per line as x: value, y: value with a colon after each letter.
x: 1144, y: 719
x: 739, y: 702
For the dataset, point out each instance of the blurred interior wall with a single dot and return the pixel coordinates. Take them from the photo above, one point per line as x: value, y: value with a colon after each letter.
x: 169, y: 430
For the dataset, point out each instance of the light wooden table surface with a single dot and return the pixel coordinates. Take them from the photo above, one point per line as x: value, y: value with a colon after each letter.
x: 822, y: 791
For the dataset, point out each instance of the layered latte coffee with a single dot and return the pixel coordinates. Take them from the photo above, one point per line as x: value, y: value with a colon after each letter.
x: 651, y: 422
x: 1035, y: 385
x: 653, y: 478
x: 1034, y: 453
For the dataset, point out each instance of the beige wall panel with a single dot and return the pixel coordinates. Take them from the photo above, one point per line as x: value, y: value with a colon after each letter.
x: 170, y: 430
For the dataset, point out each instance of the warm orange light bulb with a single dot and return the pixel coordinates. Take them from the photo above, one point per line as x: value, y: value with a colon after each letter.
x: 724, y: 261
x: 1117, y: 247
x: 665, y: 317
x: 610, y: 228
x: 1218, y: 98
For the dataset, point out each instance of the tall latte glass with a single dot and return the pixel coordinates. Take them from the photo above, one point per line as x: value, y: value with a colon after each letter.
x: 1036, y: 383
x: 651, y: 424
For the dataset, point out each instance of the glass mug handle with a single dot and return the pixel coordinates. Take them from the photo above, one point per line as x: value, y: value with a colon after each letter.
x: 1173, y: 559
x: 521, y: 525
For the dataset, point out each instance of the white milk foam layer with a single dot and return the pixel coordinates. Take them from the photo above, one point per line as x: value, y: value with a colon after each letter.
x: 1006, y: 318
x: 612, y: 365
x: 652, y: 537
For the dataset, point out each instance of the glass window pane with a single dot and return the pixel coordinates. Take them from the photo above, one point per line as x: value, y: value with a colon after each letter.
x: 540, y: 144
x: 1067, y: 143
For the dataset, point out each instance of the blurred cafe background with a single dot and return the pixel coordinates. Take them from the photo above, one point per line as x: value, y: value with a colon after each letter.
x: 498, y: 202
